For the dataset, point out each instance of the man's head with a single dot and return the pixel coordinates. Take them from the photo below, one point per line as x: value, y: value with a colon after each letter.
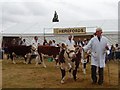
x: 36, y: 38
x: 98, y: 32
x: 79, y: 39
x: 24, y: 40
x: 70, y: 37
x: 53, y: 41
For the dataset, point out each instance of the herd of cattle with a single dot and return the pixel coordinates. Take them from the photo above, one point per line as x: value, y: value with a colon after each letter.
x: 64, y: 57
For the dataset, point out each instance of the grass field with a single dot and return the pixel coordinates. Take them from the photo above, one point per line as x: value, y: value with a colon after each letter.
x: 30, y: 76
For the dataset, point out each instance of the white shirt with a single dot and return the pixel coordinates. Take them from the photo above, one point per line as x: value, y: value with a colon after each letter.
x: 34, y: 43
x: 54, y: 44
x: 70, y: 44
x: 24, y: 43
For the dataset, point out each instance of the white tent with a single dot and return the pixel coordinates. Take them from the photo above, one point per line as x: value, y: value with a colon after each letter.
x: 0, y: 40
x: 47, y: 27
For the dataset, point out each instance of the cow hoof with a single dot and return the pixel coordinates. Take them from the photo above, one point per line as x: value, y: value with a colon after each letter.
x: 29, y: 63
x: 39, y: 63
x: 14, y: 63
x: 57, y: 66
x: 75, y: 79
x: 24, y: 62
x: 44, y: 66
x: 70, y: 76
x: 62, y: 82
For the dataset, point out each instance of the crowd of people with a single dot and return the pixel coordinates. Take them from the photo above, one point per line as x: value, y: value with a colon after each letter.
x: 114, y: 49
x: 114, y: 52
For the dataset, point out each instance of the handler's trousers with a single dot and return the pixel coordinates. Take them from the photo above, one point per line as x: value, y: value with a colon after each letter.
x: 94, y: 76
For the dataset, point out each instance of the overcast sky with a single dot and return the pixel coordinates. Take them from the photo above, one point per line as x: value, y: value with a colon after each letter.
x: 14, y: 12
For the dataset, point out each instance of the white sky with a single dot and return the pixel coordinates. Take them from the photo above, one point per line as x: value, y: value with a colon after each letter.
x: 37, y: 12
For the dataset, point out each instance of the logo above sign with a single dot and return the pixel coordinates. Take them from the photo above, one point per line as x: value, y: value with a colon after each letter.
x: 77, y: 30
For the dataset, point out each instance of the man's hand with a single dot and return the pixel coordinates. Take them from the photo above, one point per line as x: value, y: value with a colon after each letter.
x: 107, y: 48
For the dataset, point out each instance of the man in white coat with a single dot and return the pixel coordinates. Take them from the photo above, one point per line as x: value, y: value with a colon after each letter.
x: 34, y: 44
x: 98, y: 46
x: 70, y: 43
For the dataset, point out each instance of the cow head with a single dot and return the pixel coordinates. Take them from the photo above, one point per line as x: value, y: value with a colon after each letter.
x: 71, y: 52
x: 33, y: 48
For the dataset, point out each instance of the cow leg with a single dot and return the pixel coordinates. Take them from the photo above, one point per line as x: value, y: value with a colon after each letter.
x: 14, y: 61
x: 37, y: 60
x: 63, y: 72
x: 63, y: 75
x: 84, y: 68
x: 12, y: 57
x: 25, y: 57
x: 71, y: 66
x: 70, y: 72
x: 30, y: 59
x: 29, y: 56
x: 75, y: 73
x: 57, y: 62
x: 8, y: 56
x: 75, y: 70
x: 42, y: 60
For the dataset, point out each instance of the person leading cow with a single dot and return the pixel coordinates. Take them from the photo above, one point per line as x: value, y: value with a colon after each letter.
x: 98, y: 45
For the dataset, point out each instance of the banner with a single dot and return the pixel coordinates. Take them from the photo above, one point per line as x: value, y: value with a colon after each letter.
x: 78, y: 30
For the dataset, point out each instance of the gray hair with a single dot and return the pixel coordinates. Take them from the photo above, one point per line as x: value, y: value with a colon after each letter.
x: 98, y: 29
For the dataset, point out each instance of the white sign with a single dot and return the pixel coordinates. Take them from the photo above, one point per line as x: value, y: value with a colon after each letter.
x: 77, y: 30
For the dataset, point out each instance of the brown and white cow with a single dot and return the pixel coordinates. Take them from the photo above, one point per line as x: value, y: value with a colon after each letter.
x: 45, y: 50
x: 18, y: 50
x: 69, y: 60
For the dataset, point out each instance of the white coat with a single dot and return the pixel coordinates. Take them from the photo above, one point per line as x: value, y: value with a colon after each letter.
x: 70, y: 44
x: 35, y: 44
x: 98, y: 50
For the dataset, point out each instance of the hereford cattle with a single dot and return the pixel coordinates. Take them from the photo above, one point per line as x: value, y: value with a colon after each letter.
x: 69, y: 60
x: 18, y: 50
x: 46, y: 50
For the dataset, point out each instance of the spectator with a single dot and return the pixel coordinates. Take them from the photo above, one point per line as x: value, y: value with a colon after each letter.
x: 35, y: 42
x: 117, y: 51
x: 70, y: 42
x: 45, y: 42
x: 23, y: 42
x: 50, y: 43
x: 54, y: 43
x: 13, y: 42
x: 80, y: 42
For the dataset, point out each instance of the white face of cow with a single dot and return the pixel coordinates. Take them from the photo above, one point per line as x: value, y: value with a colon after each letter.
x: 72, y: 55
x: 71, y: 52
